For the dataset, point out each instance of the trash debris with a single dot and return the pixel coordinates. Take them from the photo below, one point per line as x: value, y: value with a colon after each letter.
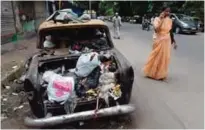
x: 14, y: 94
x: 86, y: 64
x: 91, y: 92
x: 71, y: 103
x: 5, y: 99
x: 22, y: 78
x: 115, y: 92
x: 90, y: 82
x: 85, y: 17
x: 92, y: 79
x: 59, y: 88
x: 81, y: 123
x: 107, y: 78
x: 3, y: 117
x: 7, y: 87
x: 63, y: 70
x: 104, y: 92
x: 47, y: 43
x: 17, y: 108
x: 14, y: 67
x: 48, y: 115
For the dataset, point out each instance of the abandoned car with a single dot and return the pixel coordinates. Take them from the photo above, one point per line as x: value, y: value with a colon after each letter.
x: 78, y: 75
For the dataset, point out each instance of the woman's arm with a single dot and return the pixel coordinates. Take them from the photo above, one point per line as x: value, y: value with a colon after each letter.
x: 172, y: 35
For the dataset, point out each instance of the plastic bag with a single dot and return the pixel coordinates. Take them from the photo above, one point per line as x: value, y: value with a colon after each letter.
x: 107, y: 78
x: 70, y: 103
x: 47, y: 43
x: 86, y: 64
x: 59, y: 88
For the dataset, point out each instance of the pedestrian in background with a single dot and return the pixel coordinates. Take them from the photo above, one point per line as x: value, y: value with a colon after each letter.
x: 158, y: 61
x: 117, y: 24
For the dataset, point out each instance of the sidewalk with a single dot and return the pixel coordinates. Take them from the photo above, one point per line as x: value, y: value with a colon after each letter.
x: 13, y: 55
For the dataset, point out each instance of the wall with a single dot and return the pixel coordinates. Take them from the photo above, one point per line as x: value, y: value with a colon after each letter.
x: 41, y: 12
x: 7, y: 22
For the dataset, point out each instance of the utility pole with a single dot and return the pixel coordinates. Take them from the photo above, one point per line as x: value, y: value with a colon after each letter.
x: 90, y: 8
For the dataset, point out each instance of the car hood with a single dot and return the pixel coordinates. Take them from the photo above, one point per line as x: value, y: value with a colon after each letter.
x: 190, y: 23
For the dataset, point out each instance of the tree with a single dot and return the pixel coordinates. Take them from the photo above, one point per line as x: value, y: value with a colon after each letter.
x: 195, y: 8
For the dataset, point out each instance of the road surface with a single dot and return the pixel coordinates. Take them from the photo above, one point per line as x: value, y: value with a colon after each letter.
x: 176, y: 103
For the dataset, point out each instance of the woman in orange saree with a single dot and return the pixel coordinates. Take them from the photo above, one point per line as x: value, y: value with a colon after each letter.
x: 158, y: 61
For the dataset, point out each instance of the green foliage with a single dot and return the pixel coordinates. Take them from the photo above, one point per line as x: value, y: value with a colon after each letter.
x: 130, y: 8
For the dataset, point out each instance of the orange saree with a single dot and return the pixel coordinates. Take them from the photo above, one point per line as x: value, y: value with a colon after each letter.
x: 158, y: 61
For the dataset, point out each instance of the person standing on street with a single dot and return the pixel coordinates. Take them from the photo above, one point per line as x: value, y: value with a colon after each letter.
x: 158, y: 61
x: 117, y: 24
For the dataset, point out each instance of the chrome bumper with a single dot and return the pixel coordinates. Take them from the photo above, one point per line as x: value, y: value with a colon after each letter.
x: 80, y: 116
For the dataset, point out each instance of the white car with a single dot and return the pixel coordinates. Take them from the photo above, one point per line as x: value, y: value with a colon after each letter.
x: 101, y: 18
x: 132, y: 21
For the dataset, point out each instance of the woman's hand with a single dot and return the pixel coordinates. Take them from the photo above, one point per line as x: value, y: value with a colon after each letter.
x: 162, y: 15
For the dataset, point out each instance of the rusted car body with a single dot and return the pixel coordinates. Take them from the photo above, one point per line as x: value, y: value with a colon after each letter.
x: 85, y: 108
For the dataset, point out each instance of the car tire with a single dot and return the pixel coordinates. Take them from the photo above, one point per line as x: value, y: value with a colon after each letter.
x: 193, y: 33
x: 178, y: 30
x: 36, y: 104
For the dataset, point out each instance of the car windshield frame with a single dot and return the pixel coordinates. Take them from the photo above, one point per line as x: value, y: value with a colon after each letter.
x: 184, y: 17
x: 109, y: 45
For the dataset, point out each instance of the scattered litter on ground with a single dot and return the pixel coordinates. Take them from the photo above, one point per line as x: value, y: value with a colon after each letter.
x: 7, y: 87
x: 3, y: 117
x: 14, y: 67
x: 14, y: 94
x: 5, y: 99
x: 17, y: 108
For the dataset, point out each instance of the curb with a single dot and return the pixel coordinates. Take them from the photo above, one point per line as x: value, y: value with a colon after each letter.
x: 14, y: 74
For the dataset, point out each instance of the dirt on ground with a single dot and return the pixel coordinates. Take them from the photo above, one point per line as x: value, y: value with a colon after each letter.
x: 14, y: 108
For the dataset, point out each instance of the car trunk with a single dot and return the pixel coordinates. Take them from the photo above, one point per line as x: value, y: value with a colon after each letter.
x: 61, y: 66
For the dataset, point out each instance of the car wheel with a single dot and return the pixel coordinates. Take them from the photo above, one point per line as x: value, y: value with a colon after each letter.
x: 36, y: 104
x: 177, y: 30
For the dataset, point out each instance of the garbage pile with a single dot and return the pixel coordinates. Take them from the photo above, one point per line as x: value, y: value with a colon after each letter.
x: 96, y: 41
x: 94, y: 77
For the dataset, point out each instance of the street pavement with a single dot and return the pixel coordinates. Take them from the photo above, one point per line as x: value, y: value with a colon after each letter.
x: 177, y: 102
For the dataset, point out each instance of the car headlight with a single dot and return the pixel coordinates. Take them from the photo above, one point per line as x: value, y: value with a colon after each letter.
x: 184, y: 24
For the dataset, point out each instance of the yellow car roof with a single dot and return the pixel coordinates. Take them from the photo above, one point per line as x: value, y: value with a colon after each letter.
x: 52, y: 25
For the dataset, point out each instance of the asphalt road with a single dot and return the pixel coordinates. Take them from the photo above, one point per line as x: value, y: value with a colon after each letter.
x: 176, y: 103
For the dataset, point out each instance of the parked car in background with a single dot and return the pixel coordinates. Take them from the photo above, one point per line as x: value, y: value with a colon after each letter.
x: 123, y: 19
x: 132, y: 20
x: 127, y: 19
x: 135, y: 19
x: 101, y: 18
x: 184, y: 24
x: 200, y: 24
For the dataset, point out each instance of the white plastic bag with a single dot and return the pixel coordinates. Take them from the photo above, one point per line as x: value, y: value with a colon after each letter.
x: 59, y: 88
x: 86, y: 64
x: 107, y: 78
x: 47, y: 43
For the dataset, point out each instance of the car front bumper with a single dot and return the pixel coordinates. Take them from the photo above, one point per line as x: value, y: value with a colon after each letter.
x: 189, y: 30
x: 79, y: 116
